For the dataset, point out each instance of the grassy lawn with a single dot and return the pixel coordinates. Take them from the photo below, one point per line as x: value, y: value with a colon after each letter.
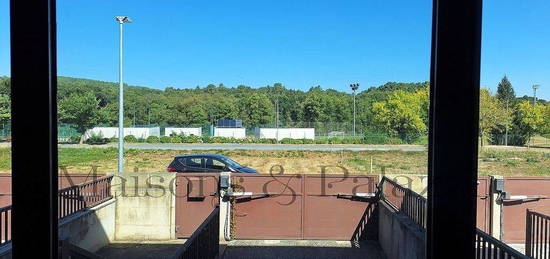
x: 491, y: 161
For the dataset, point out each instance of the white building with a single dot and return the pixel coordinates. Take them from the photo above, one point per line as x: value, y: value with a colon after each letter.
x: 184, y: 131
x: 238, y: 133
x: 281, y: 133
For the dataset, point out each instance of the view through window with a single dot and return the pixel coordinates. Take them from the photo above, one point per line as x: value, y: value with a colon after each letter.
x: 280, y: 128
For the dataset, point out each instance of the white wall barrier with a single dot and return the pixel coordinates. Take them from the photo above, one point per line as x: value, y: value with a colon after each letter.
x: 184, y: 131
x: 112, y: 132
x: 238, y: 133
x: 281, y: 133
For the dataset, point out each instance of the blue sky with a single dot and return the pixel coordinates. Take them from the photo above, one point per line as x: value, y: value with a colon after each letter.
x: 298, y: 43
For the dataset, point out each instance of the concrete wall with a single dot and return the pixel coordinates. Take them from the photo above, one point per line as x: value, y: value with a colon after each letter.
x: 399, y: 236
x: 184, y: 131
x: 238, y: 133
x: 112, y: 132
x: 145, y: 208
x: 292, y: 133
x: 91, y: 229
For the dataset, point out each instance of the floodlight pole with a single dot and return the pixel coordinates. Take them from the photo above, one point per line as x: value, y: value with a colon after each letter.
x: 354, y: 87
x: 121, y: 20
x: 354, y: 113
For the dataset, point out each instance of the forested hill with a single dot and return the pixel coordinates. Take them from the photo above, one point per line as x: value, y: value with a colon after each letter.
x: 256, y: 106
x: 394, y: 109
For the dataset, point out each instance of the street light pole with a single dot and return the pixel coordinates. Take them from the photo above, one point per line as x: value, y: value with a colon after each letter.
x: 354, y: 87
x: 121, y: 20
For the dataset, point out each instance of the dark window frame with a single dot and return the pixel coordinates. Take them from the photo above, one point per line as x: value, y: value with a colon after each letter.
x: 201, y: 163
x: 454, y: 104
x: 34, y: 70
x: 214, y: 159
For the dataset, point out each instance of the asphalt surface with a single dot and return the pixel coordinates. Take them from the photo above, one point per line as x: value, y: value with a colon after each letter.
x: 265, y: 147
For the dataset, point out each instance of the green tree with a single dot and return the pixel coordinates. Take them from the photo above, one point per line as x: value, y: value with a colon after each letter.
x: 402, y: 114
x: 5, y: 86
x: 505, y: 92
x: 530, y: 119
x: 256, y: 109
x: 491, y: 114
x: 546, y: 123
x: 5, y: 109
x: 81, y: 110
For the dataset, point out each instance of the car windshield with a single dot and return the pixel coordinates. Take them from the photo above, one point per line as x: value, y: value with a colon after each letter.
x: 232, y: 163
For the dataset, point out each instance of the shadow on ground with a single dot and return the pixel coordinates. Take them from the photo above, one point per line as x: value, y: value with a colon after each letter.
x: 366, y: 251
x: 140, y: 251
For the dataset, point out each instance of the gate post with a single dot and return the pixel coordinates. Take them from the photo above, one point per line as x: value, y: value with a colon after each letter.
x: 225, y: 208
x: 495, y: 217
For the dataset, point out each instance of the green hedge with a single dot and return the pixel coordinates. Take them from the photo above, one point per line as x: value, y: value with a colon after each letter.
x: 153, y: 139
x: 96, y: 140
x: 165, y: 139
x: 368, y: 138
x: 130, y: 139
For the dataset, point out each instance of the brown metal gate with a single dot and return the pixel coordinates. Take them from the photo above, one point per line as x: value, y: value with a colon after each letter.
x: 196, y: 197
x: 294, y: 206
x: 514, y: 210
x: 484, y: 210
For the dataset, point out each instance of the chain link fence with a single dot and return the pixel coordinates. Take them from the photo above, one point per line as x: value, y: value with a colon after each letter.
x: 66, y: 133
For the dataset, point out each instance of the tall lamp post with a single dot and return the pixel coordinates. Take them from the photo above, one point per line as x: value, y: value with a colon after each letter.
x: 535, y: 87
x: 121, y: 21
x: 354, y: 87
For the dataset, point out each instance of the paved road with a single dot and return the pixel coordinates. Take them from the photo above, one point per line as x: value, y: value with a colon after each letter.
x: 308, y: 147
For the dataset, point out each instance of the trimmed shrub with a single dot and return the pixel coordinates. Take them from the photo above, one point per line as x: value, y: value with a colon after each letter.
x: 175, y: 139
x: 191, y: 139
x: 165, y: 139
x: 96, y: 140
x: 141, y: 140
x: 206, y: 139
x: 267, y: 141
x: 130, y: 139
x: 113, y: 140
x: 321, y: 141
x: 76, y: 139
x: 308, y: 141
x: 153, y: 139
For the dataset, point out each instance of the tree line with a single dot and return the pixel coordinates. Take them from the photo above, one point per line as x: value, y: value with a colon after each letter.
x: 397, y: 110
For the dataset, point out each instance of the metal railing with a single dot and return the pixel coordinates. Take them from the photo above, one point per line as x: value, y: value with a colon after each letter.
x: 488, y: 247
x: 405, y: 200
x: 5, y: 225
x: 82, y: 196
x: 204, y: 243
x: 537, y: 235
x: 70, y: 200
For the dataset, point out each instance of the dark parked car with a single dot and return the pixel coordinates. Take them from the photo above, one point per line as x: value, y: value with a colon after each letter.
x: 207, y: 163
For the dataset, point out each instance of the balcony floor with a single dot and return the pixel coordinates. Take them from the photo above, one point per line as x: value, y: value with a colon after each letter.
x: 142, y: 250
x: 301, y: 249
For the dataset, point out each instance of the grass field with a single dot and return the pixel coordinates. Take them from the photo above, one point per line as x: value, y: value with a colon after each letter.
x: 493, y: 161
